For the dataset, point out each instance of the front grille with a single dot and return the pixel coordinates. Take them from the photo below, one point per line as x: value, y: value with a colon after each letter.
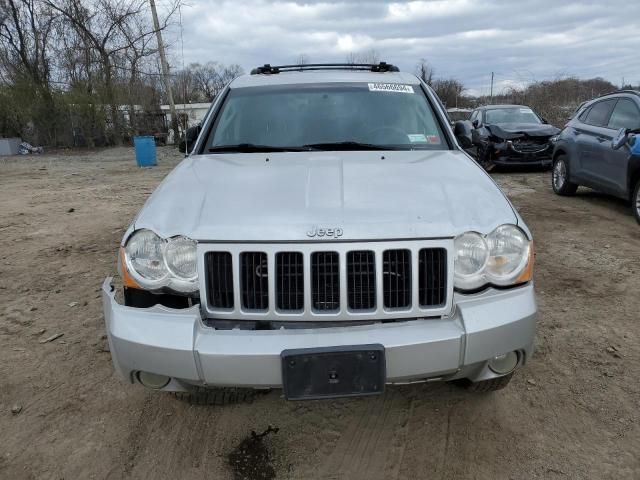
x: 361, y: 280
x: 341, y: 282
x: 289, y: 281
x: 396, y: 275
x: 220, y: 279
x: 254, y: 281
x: 531, y: 145
x: 432, y: 288
x: 325, y: 281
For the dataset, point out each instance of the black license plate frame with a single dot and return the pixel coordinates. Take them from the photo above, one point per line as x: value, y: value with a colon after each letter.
x: 333, y: 372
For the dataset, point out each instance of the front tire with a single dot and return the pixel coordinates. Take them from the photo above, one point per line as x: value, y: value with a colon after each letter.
x: 486, y: 386
x: 635, y: 201
x: 218, y: 396
x: 484, y: 158
x: 560, y: 177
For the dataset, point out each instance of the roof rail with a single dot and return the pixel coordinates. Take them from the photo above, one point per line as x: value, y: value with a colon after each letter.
x: 635, y: 92
x: 370, y: 67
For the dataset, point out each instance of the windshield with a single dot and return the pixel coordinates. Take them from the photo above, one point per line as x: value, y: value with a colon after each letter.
x: 511, y: 115
x: 334, y: 116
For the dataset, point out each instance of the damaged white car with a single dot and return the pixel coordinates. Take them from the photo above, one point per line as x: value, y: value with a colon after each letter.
x: 327, y: 236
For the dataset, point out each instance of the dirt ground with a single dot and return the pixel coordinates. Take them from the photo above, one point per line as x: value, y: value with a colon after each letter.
x: 572, y: 413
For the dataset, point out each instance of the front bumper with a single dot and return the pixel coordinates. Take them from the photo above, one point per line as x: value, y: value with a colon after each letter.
x: 505, y: 154
x: 176, y: 343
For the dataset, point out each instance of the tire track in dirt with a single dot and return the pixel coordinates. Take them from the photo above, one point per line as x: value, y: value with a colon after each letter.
x: 373, y: 444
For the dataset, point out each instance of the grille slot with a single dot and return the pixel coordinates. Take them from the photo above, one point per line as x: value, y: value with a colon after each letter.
x: 325, y: 281
x: 432, y: 285
x: 289, y: 281
x: 220, y: 279
x: 361, y: 280
x: 254, y: 281
x: 396, y: 276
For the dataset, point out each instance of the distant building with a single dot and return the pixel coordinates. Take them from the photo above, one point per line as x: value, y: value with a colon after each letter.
x: 189, y: 114
x: 456, y: 114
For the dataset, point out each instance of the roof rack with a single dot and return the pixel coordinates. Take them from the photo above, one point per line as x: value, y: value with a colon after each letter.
x: 635, y: 92
x: 370, y: 67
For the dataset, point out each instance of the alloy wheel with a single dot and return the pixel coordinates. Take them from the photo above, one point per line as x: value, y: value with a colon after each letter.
x: 559, y: 174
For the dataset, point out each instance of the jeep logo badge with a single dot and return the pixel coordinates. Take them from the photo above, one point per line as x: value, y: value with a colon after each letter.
x: 324, y: 232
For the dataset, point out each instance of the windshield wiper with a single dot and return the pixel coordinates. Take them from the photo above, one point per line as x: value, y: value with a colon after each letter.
x: 252, y: 147
x: 348, y: 145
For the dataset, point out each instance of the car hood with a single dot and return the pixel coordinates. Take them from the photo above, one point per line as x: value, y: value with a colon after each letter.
x: 368, y: 195
x: 510, y: 131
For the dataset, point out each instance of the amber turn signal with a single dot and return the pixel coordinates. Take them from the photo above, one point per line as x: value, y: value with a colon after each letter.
x: 527, y: 273
x: 127, y: 280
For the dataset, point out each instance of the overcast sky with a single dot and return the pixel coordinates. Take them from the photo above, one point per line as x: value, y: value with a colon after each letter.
x: 520, y: 40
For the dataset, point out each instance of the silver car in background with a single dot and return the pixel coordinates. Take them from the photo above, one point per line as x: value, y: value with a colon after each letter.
x: 327, y: 236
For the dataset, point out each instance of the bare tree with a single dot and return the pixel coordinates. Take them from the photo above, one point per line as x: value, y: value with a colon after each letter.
x: 302, y: 59
x: 425, y: 71
x: 554, y: 99
x: 25, y: 29
x: 209, y: 79
x: 449, y: 90
x: 110, y: 28
x: 371, y: 56
x: 185, y: 88
x: 68, y: 66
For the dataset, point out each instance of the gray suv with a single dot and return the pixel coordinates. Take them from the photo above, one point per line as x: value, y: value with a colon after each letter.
x: 328, y: 236
x: 597, y: 149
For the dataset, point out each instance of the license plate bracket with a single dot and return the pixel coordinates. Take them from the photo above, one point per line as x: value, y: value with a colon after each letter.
x: 332, y: 372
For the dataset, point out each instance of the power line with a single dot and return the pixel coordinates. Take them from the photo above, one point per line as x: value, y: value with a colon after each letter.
x: 491, y: 87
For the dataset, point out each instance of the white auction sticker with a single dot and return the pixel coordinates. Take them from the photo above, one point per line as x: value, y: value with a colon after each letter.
x: 390, y: 87
x: 417, y: 137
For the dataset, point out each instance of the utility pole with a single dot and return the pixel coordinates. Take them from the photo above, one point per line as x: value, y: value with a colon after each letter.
x: 491, y: 84
x: 165, y: 73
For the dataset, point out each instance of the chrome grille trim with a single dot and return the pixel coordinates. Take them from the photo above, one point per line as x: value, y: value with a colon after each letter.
x: 398, y: 278
x: 325, y: 277
x: 254, y: 280
x: 309, y: 313
x: 362, y: 293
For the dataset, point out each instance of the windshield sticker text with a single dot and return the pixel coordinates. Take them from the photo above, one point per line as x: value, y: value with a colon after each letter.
x: 390, y: 87
x: 417, y: 138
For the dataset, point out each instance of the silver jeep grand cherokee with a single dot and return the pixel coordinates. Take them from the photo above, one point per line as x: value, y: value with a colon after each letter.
x: 327, y: 236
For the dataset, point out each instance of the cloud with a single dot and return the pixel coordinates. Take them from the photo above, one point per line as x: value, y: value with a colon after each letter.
x: 466, y: 39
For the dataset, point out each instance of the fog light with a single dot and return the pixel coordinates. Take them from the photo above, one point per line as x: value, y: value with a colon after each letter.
x: 152, y: 380
x: 503, y: 364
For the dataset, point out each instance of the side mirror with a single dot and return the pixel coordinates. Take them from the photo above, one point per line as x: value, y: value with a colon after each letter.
x: 476, y: 123
x: 190, y: 138
x: 462, y: 131
x: 620, y: 139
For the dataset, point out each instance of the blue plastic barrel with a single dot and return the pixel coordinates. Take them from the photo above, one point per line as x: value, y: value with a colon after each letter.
x: 145, y: 148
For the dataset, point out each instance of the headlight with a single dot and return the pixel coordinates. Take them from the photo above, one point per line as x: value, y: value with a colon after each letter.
x: 508, y: 254
x: 144, y: 256
x: 155, y: 263
x: 472, y: 254
x: 180, y: 255
x: 502, y: 258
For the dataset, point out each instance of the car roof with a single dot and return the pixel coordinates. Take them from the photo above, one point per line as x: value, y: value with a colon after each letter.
x: 323, y: 76
x: 622, y: 92
x: 488, y: 107
x: 616, y: 94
